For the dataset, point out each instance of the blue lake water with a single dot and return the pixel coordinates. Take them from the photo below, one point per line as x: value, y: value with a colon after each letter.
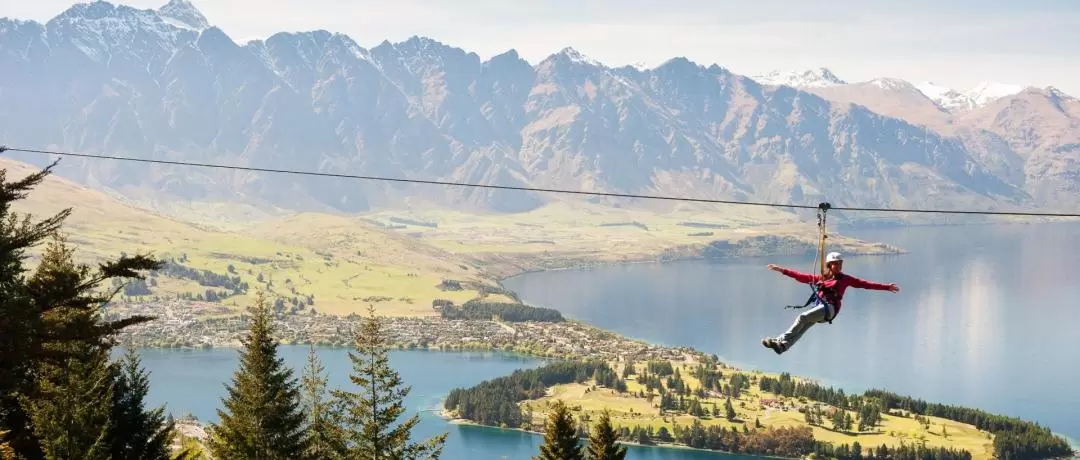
x: 986, y: 317
x: 193, y: 382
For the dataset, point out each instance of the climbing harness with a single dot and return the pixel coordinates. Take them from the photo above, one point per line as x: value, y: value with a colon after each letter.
x: 818, y: 286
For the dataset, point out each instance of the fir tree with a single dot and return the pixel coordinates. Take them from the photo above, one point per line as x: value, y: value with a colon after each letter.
x: 262, y: 418
x: 643, y: 438
x: 560, y: 436
x: 838, y: 420
x: 367, y: 417
x: 603, y: 443
x: 40, y: 313
x: 139, y: 434
x: 70, y: 409
x: 70, y: 397
x: 324, y: 438
x: 730, y: 410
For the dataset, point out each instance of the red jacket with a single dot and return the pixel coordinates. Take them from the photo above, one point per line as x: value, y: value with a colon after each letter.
x: 837, y: 286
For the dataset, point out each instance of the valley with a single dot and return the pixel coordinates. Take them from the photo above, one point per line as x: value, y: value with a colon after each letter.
x: 334, y: 263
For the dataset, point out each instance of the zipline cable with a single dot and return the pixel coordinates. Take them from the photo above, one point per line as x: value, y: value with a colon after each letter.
x: 534, y: 189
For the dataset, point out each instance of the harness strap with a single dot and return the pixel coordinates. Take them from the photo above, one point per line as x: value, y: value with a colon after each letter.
x: 823, y: 208
x: 815, y: 298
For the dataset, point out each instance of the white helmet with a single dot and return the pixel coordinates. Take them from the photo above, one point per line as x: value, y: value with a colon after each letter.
x: 833, y: 257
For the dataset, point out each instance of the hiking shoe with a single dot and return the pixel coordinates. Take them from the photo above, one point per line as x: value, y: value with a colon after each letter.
x: 772, y: 344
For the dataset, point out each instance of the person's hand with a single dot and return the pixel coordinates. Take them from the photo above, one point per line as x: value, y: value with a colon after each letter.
x: 894, y: 288
x: 773, y: 267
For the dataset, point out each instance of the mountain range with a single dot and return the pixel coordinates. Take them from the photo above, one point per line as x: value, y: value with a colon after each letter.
x: 166, y: 84
x: 947, y: 99
x: 1027, y: 136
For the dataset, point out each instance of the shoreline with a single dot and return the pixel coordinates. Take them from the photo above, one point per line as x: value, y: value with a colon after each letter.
x: 518, y: 270
x: 697, y: 256
x: 451, y: 417
x: 578, y: 265
x: 448, y: 417
x: 662, y: 258
x: 442, y: 413
x: 445, y: 415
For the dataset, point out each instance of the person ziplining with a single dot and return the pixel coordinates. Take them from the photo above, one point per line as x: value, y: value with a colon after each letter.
x: 828, y: 292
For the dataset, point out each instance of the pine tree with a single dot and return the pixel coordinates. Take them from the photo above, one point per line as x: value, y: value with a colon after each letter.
x: 324, y: 438
x: 262, y: 418
x: 730, y: 410
x: 838, y: 420
x: 139, y: 434
x: 69, y: 398
x: 70, y: 408
x: 560, y: 437
x: 41, y: 312
x: 367, y: 417
x: 603, y: 443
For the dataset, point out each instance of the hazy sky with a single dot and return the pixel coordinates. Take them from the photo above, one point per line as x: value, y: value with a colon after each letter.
x: 956, y: 43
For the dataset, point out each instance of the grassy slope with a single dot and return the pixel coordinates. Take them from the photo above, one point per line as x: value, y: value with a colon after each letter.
x: 566, y: 233
x: 102, y: 226
x: 892, y: 431
x: 343, y: 260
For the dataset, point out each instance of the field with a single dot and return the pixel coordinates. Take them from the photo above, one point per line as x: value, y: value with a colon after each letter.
x: 566, y: 234
x: 753, y: 406
x: 340, y: 261
x: 395, y: 259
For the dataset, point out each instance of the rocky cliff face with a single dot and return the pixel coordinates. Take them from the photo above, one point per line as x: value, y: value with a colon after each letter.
x: 164, y: 83
x: 1027, y: 137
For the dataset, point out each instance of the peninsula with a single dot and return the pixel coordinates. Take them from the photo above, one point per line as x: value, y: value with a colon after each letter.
x: 657, y: 395
x: 695, y: 401
x: 435, y: 277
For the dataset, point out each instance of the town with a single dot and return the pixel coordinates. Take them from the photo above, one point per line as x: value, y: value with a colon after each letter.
x: 178, y: 326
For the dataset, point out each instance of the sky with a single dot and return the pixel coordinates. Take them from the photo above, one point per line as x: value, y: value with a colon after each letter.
x: 956, y: 43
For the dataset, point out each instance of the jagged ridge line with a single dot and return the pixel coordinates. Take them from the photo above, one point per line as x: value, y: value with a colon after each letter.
x: 534, y: 189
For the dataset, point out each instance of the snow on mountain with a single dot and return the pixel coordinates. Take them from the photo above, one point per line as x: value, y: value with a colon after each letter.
x: 182, y: 13
x: 893, y: 84
x: 948, y: 98
x: 979, y: 96
x: 813, y: 78
x: 1059, y: 94
x: 161, y: 83
x: 116, y: 34
x: 576, y: 56
x: 987, y: 92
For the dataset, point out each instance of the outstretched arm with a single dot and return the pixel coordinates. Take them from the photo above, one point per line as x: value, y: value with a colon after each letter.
x: 860, y: 283
x: 796, y: 275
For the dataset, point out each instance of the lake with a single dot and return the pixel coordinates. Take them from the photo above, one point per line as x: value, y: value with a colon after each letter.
x: 192, y: 382
x: 984, y: 318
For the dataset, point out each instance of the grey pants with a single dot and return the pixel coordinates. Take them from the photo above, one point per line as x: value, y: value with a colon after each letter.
x: 819, y: 313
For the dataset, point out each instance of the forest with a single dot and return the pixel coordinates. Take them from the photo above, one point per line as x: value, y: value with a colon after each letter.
x: 510, y: 312
x: 1014, y: 439
x: 495, y: 403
